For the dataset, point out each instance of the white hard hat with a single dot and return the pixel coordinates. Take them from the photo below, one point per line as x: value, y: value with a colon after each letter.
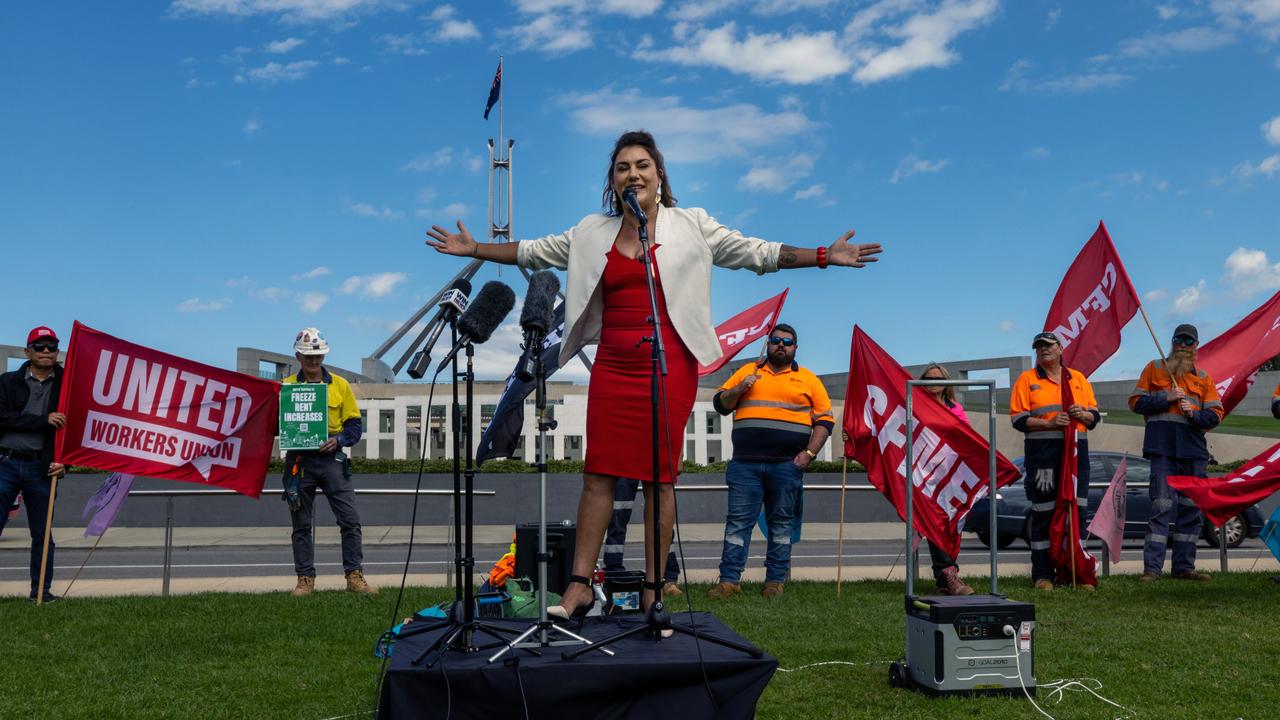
x: 310, y: 341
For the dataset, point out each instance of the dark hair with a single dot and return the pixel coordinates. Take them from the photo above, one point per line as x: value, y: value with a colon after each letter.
x: 609, y: 200
x: 785, y: 328
x: 949, y: 391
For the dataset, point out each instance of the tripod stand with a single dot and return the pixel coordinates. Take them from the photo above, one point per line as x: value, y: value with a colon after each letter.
x: 657, y: 618
x: 544, y: 627
x: 461, y: 616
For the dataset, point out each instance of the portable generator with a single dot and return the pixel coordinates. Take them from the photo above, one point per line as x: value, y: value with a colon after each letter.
x: 974, y: 644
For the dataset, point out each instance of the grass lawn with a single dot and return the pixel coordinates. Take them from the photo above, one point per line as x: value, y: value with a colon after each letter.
x: 1167, y: 650
x: 1231, y: 424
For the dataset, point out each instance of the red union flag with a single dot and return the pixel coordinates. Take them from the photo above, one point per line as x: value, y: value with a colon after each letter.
x: 744, y: 328
x: 950, y: 458
x: 131, y: 409
x: 1223, y: 498
x: 1232, y: 359
x: 1096, y: 299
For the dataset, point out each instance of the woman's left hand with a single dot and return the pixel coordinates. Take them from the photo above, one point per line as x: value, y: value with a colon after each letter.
x: 847, y: 254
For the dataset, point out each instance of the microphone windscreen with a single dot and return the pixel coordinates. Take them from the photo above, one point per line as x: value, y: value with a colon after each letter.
x: 463, y: 285
x: 540, y: 302
x: 487, y: 311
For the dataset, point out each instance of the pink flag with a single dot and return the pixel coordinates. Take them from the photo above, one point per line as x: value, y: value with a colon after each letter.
x: 105, y: 504
x: 742, y: 329
x: 1108, y: 522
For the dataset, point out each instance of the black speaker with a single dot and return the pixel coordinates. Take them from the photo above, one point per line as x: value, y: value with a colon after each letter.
x: 561, y: 538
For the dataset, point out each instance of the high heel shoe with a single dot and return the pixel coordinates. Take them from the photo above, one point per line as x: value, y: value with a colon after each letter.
x: 559, y: 612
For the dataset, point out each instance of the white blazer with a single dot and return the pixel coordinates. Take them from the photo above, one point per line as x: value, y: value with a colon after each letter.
x: 690, y: 241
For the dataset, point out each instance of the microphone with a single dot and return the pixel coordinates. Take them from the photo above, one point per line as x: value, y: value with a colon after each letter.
x: 485, y: 314
x: 452, y: 303
x: 536, y: 319
x: 629, y: 197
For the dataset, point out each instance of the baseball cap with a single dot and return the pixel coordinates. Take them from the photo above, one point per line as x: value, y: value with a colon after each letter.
x: 41, y: 333
x: 1188, y: 330
x: 1045, y: 337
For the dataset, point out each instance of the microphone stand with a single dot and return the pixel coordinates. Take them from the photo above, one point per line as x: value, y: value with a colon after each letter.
x: 657, y: 618
x: 544, y: 626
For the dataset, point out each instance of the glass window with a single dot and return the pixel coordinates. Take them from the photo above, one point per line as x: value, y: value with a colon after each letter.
x: 386, y: 421
x: 713, y: 423
x: 713, y: 451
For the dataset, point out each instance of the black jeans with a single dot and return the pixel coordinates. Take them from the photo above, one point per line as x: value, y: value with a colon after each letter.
x: 332, y: 474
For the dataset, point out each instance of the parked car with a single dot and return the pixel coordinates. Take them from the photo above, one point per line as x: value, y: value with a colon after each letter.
x: 1013, y: 514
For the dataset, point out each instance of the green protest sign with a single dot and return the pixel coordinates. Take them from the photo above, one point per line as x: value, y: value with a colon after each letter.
x: 304, y: 422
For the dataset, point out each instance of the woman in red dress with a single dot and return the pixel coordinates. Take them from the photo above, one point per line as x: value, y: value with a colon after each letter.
x: 607, y: 303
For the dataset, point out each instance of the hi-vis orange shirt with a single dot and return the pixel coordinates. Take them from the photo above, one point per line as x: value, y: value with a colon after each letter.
x: 775, y: 418
x: 1036, y: 395
x: 1275, y: 403
x: 1170, y: 432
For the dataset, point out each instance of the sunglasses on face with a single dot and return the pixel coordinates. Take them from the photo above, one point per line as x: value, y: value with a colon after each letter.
x: 784, y: 342
x: 1184, y: 341
x: 44, y: 347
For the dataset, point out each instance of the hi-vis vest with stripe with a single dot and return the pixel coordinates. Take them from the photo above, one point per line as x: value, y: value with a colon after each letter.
x: 791, y: 399
x: 1036, y: 395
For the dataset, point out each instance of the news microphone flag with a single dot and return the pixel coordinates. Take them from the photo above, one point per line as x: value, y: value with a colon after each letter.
x: 495, y: 91
x: 503, y: 433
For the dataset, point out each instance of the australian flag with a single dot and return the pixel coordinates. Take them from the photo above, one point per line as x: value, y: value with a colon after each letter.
x: 500, y: 438
x: 494, y: 92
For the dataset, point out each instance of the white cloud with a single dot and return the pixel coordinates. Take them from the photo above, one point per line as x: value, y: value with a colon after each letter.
x: 341, y: 61
x: 369, y: 211
x: 1271, y: 130
x: 270, y: 294
x: 1038, y: 152
x: 312, y: 301
x: 403, y: 44
x: 1156, y: 295
x: 1166, y: 12
x: 292, y: 11
x: 923, y: 40
x: 1249, y: 271
x: 1017, y: 80
x: 1267, y: 168
x: 274, y: 72
x: 912, y: 165
x: 252, y: 126
x: 375, y: 286
x: 1261, y: 16
x: 1190, y: 299
x: 443, y: 158
x: 194, y: 83
x: 1006, y: 326
x: 776, y: 175
x: 817, y: 191
x: 196, y: 305
x: 551, y: 34
x: 701, y: 9
x: 450, y: 28
x: 280, y: 47
x: 1187, y: 40
x: 312, y: 274
x: 798, y: 58
x: 684, y: 133
x: 1052, y: 19
x: 632, y: 8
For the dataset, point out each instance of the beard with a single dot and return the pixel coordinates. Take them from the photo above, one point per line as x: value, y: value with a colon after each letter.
x: 1182, y: 361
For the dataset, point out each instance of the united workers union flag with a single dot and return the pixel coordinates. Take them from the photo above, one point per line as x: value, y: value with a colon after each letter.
x: 500, y: 438
x: 1094, y: 302
x: 495, y: 91
x: 1232, y: 359
x: 951, y: 459
x: 134, y: 410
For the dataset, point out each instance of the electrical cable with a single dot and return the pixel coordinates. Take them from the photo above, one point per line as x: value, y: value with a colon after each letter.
x: 520, y: 681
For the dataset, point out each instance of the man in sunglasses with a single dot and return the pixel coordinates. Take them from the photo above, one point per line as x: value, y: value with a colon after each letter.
x: 1179, y: 404
x: 781, y: 418
x: 29, y: 418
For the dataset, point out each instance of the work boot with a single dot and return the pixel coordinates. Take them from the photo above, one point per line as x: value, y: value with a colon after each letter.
x: 1193, y: 575
x: 1043, y: 584
x: 952, y: 584
x: 306, y: 585
x: 357, y: 584
x: 671, y: 589
x: 1149, y: 577
x: 772, y: 590
x: 724, y: 590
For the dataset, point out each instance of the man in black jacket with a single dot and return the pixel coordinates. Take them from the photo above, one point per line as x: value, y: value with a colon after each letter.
x: 29, y: 418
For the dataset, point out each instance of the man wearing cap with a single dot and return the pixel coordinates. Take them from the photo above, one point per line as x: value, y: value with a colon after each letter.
x: 327, y: 468
x: 781, y: 418
x: 1036, y: 409
x: 29, y: 418
x: 1179, y: 404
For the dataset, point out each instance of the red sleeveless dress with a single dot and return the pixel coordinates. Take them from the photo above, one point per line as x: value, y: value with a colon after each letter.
x: 619, y: 420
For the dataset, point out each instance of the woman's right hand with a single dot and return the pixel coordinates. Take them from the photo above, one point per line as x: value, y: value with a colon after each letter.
x: 460, y: 243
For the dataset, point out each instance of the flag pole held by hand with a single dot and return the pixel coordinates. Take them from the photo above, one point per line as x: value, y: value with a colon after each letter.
x: 48, y: 530
x: 844, y: 474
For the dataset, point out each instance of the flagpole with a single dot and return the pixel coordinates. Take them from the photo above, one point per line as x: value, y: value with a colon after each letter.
x: 500, y: 94
x: 48, y: 530
x: 844, y: 474
x: 86, y: 562
x: 1156, y: 340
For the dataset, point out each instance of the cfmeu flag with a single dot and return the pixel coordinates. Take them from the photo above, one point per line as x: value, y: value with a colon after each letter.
x: 495, y: 91
x: 744, y: 328
x: 950, y: 458
x: 1232, y: 359
x: 139, y: 411
x: 1096, y: 299
x: 1225, y: 497
x: 500, y: 438
x: 1066, y: 548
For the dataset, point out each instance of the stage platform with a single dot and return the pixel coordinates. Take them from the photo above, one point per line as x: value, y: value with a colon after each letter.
x: 644, y: 679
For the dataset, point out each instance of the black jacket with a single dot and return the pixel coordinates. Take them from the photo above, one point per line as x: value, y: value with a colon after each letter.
x: 14, y: 394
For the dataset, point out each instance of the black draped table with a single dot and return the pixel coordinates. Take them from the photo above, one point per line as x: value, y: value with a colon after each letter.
x: 644, y: 679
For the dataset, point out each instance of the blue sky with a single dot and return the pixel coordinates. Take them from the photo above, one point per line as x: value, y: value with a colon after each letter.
x: 204, y: 174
